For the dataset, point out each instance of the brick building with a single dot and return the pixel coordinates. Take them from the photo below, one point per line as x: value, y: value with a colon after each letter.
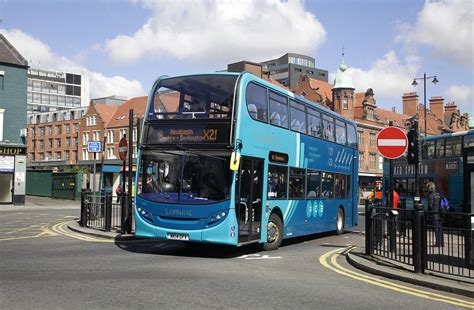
x: 53, y: 137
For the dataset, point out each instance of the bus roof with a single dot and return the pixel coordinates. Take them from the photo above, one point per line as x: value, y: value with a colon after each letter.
x: 453, y: 134
x: 269, y: 85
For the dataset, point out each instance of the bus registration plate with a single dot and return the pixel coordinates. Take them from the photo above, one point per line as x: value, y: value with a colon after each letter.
x: 184, y: 237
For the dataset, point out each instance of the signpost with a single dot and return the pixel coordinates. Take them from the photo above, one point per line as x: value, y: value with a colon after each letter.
x: 392, y: 143
x: 94, y: 147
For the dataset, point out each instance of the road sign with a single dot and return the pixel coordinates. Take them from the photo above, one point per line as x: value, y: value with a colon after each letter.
x: 93, y: 146
x: 392, y: 142
x: 123, y: 148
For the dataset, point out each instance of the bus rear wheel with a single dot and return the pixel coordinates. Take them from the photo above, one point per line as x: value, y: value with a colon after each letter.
x: 274, y: 233
x: 339, y: 221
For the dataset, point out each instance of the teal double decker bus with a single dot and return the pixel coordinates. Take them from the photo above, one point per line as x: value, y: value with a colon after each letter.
x: 447, y: 160
x: 233, y: 159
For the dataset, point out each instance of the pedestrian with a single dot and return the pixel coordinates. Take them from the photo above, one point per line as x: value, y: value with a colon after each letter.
x: 119, y: 193
x: 434, y: 206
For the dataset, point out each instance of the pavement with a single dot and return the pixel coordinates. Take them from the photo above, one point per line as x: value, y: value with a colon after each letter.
x: 42, y: 203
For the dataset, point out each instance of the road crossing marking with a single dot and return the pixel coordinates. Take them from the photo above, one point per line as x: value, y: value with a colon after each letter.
x: 258, y: 256
x: 387, y: 284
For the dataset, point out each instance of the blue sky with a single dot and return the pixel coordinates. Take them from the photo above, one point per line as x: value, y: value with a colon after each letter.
x: 125, y: 45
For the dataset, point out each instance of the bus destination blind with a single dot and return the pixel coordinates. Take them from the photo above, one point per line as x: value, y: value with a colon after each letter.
x: 188, y: 134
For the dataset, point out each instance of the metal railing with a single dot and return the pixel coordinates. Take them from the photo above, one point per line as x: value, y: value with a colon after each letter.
x: 435, y: 241
x: 105, y: 212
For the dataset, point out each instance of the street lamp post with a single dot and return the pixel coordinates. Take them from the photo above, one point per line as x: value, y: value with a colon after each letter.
x: 435, y: 81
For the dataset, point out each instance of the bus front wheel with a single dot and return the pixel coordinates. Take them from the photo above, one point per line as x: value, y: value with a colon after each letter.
x: 274, y: 233
x: 340, y: 221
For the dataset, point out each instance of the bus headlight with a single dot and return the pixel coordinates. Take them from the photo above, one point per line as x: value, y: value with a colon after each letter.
x: 216, y: 217
x: 145, y: 214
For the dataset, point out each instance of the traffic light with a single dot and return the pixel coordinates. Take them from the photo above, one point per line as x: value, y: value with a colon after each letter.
x: 413, y: 151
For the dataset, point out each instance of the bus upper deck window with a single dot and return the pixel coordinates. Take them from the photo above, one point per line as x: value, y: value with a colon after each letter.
x: 428, y: 149
x: 257, y: 102
x: 278, y: 110
x: 328, y: 127
x: 341, y: 132
x: 453, y: 146
x: 298, y: 116
x: 440, y: 148
x: 351, y: 136
x: 314, y: 123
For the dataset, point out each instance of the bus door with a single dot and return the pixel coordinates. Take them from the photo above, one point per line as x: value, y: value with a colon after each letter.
x: 248, y: 204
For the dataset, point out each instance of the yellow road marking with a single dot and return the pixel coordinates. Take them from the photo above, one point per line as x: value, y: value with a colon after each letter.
x: 387, y: 284
x: 61, y: 228
x: 21, y: 229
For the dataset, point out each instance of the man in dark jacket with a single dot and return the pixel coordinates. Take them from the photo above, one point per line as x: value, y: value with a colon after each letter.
x: 434, y: 202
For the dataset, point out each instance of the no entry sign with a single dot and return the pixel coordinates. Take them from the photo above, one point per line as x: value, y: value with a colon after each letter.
x: 123, y: 148
x: 392, y: 142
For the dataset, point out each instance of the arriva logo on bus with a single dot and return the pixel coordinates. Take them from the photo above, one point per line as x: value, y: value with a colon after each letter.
x: 315, y: 208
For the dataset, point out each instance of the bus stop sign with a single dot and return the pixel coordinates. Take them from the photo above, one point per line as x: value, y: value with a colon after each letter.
x: 392, y: 142
x: 123, y: 148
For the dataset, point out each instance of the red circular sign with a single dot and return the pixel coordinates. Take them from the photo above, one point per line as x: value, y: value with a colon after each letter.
x: 123, y: 148
x: 392, y: 142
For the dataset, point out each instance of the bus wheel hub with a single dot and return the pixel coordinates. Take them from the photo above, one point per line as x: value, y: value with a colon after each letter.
x: 272, y: 232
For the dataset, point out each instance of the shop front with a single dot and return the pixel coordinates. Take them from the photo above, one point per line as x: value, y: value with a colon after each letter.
x: 12, y: 173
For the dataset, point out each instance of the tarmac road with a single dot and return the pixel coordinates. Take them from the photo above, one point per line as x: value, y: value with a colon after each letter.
x: 44, y: 266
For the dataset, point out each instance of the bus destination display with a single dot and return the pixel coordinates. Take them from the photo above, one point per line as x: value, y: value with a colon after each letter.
x: 188, y: 134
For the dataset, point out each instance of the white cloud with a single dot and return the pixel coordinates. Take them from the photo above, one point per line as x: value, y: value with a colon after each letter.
x: 220, y: 32
x: 388, y: 76
x: 39, y: 54
x: 447, y: 27
x: 462, y: 96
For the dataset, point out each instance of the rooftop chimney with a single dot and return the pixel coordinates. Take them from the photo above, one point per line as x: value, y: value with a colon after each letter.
x: 410, y: 104
x: 437, y: 107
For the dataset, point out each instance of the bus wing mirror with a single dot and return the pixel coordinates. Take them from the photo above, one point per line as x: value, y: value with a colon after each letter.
x: 234, y: 161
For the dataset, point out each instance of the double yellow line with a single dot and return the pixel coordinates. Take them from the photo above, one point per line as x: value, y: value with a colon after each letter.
x: 61, y: 228
x: 329, y: 260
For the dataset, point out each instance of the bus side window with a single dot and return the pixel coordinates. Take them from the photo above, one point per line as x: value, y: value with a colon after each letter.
x: 328, y: 127
x: 257, y: 102
x: 314, y: 123
x: 341, y: 132
x: 277, y: 182
x: 351, y: 136
x: 298, y: 116
x: 297, y: 183
x: 278, y: 110
x: 327, y: 185
x: 313, y: 184
x: 440, y: 148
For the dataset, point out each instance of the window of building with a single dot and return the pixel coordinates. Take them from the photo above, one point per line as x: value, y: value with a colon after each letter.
x: 360, y: 135
x: 278, y: 110
x: 41, y: 155
x: 33, y: 132
x: 277, y: 182
x: 2, y: 81
x: 41, y: 131
x: 68, y: 128
x: 111, y: 153
x: 58, y: 142
x: 59, y: 129
x: 135, y: 134
x: 49, y: 156
x: 67, y: 155
x: 50, y: 130
x: 85, y: 138
x: 50, y: 143
x: 313, y: 184
x: 297, y: 183
x: 373, y: 161
x: 328, y: 127
x: 257, y: 102
x: 110, y: 136
x: 76, y: 127
x: 327, y: 185
x: 74, y: 155
x: 372, y: 139
x: 96, y: 135
x: 58, y: 155
x: 68, y: 141
x: 345, y: 103
x: 85, y: 155
x: 361, y: 160
x: 341, y: 136
x: 123, y: 132
x: 298, y: 116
